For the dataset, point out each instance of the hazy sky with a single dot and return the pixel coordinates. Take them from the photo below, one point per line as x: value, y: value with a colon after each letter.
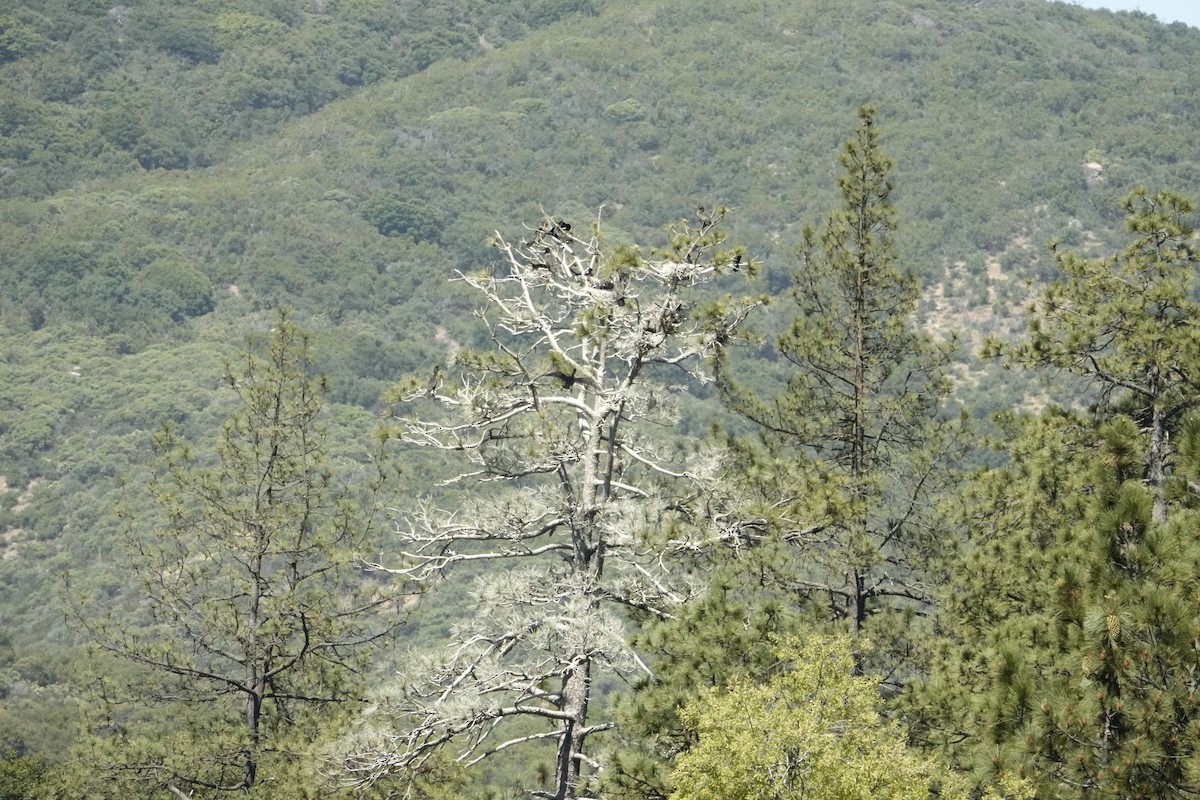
x: 1166, y: 10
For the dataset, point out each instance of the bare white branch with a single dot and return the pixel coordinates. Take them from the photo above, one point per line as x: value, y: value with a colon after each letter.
x: 555, y: 414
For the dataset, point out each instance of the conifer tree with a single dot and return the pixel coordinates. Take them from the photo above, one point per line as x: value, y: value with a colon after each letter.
x: 994, y: 619
x: 858, y: 409
x: 1120, y: 717
x: 1128, y: 323
x: 1072, y: 650
x: 260, y: 620
x: 577, y: 503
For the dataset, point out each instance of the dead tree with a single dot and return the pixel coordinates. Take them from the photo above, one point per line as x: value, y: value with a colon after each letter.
x: 588, y: 495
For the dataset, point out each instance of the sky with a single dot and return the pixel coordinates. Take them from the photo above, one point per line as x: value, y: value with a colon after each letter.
x: 1166, y: 10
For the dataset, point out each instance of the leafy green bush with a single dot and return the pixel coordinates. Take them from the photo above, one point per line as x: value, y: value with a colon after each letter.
x: 174, y: 288
x: 17, y: 39
x: 395, y: 215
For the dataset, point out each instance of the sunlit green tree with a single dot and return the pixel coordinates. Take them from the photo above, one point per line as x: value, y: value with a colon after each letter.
x: 1119, y: 717
x: 813, y: 732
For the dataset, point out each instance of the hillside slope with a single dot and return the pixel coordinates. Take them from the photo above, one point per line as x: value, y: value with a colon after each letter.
x: 171, y: 172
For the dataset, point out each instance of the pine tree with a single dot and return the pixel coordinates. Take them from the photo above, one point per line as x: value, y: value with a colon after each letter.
x: 1120, y: 718
x: 1127, y: 323
x: 858, y: 410
x: 260, y: 620
x: 994, y: 623
x: 578, y: 503
x: 1072, y: 655
x: 1072, y: 652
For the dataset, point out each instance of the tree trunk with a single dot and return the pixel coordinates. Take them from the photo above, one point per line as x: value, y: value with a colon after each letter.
x: 576, y: 691
x: 1156, y: 459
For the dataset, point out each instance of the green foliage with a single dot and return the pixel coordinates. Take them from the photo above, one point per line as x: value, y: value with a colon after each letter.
x: 129, y: 286
x: 859, y: 410
x: 1121, y: 719
x: 629, y: 110
x: 725, y: 635
x: 23, y: 778
x: 181, y: 38
x: 237, y: 141
x: 258, y: 622
x: 1075, y: 642
x: 995, y: 610
x: 175, y: 288
x: 1127, y: 323
x: 395, y: 215
x: 1071, y: 655
x: 40, y: 712
x: 17, y: 39
x: 813, y: 731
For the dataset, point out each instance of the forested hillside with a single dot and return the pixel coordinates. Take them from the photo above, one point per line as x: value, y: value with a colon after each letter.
x: 174, y: 173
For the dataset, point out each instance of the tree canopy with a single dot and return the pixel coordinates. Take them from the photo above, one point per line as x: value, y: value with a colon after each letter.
x: 812, y: 732
x: 173, y: 172
x: 257, y: 618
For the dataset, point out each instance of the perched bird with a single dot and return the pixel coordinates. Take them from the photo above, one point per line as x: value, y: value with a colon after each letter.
x: 435, y: 380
